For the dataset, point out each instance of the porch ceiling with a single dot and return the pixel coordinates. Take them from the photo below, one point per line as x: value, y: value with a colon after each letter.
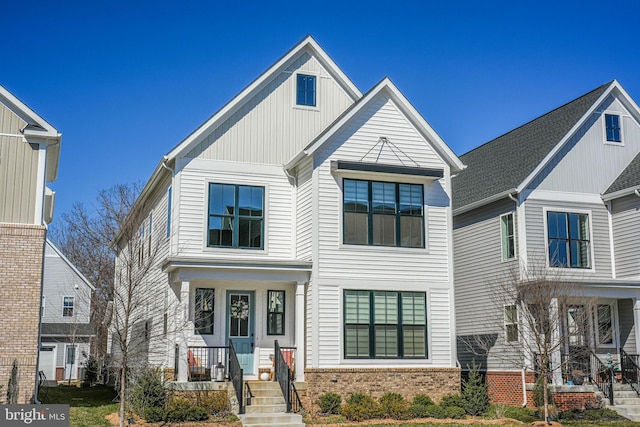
x: 189, y: 268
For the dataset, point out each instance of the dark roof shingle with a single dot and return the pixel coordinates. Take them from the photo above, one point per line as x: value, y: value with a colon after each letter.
x: 629, y: 178
x: 503, y: 163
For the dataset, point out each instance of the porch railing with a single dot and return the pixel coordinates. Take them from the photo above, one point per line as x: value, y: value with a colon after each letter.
x: 602, y: 377
x: 630, y: 370
x: 235, y: 375
x: 284, y: 357
x: 205, y: 362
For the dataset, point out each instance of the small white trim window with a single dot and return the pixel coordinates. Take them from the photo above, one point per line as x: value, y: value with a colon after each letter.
x: 67, y: 307
x: 508, y: 236
x: 306, y: 90
x: 604, y: 322
x: 511, y: 327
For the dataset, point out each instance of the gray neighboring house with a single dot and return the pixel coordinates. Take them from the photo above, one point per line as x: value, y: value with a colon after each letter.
x: 561, y: 190
x: 66, y: 310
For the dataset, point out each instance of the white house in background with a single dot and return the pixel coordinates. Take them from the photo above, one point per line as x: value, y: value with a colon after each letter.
x: 306, y: 212
x: 559, y: 193
x: 66, y: 308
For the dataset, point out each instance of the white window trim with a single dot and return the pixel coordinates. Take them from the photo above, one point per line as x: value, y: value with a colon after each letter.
x: 546, y: 209
x: 73, y: 305
x: 265, y: 216
x: 604, y: 128
x: 515, y: 244
x: 295, y: 90
x: 517, y: 323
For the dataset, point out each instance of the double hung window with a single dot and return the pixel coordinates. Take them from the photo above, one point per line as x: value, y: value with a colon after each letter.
x: 67, y: 306
x: 306, y: 90
x: 236, y: 216
x: 511, y: 323
x: 203, y: 312
x: 508, y: 237
x: 385, y: 324
x: 275, y: 313
x: 569, y: 240
x: 383, y: 214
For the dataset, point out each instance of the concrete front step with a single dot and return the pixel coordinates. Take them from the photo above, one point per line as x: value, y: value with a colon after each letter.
x: 630, y: 412
x: 633, y: 401
x: 625, y: 394
x: 267, y: 400
x: 265, y: 409
x: 270, y: 420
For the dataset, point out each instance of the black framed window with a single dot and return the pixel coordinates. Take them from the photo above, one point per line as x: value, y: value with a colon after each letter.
x: 385, y: 324
x: 306, y: 90
x: 67, y: 306
x: 383, y: 213
x: 203, y: 313
x: 275, y: 312
x: 236, y: 216
x: 569, y: 240
x: 612, y: 122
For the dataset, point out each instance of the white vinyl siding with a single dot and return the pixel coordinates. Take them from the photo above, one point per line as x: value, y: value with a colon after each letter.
x: 194, y: 185
x: 304, y: 211
x: 269, y: 128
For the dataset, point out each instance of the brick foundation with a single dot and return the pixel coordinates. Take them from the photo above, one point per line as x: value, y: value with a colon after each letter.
x: 434, y: 382
x: 506, y: 387
x: 568, y: 401
x: 21, y: 257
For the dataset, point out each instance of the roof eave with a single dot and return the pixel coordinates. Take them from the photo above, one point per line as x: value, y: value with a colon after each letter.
x: 621, y: 193
x: 485, y: 201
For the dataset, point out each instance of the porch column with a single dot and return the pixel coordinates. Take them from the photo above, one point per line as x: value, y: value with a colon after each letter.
x: 556, y: 359
x: 182, y: 330
x: 636, y: 322
x: 299, y: 331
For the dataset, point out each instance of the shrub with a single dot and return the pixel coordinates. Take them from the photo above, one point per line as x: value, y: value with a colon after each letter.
x: 435, y: 411
x: 455, y: 412
x: 360, y: 407
x: 538, y: 394
x: 475, y: 392
x: 196, y: 413
x: 154, y: 415
x: 91, y: 369
x: 422, y: 399
x: 419, y: 411
x: 12, y: 386
x: 148, y: 391
x: 215, y: 402
x: 329, y: 403
x: 525, y: 415
x: 452, y: 400
x: 393, y: 405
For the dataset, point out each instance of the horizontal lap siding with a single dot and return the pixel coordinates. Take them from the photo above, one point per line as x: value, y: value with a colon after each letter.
x: 269, y: 128
x: 304, y: 211
x: 626, y: 223
x: 478, y: 266
x: 194, y: 196
x: 340, y: 267
x: 627, y: 327
x: 600, y: 247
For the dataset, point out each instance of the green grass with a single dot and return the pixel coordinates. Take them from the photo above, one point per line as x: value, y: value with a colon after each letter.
x: 88, y: 406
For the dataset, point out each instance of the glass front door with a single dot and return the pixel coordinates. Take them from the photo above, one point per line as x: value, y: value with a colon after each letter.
x: 240, y: 326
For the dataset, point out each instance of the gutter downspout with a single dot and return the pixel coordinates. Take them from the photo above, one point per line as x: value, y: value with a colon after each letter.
x: 292, y: 179
x: 510, y: 195
x: 524, y: 387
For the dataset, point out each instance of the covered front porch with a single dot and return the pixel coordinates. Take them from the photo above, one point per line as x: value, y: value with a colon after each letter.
x: 236, y: 308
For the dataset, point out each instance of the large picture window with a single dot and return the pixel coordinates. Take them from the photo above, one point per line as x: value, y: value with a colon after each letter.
x: 385, y: 324
x: 383, y: 214
x: 569, y: 240
x: 236, y: 216
x: 203, y: 312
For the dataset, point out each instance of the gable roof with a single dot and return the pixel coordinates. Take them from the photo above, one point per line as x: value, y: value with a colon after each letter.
x: 308, y: 44
x: 386, y: 86
x: 502, y: 165
x: 36, y: 127
x: 70, y: 264
x: 626, y: 183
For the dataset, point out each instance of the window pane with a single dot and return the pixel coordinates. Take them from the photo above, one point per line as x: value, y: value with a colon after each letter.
x: 356, y: 341
x: 605, y: 325
x: 356, y: 306
x: 414, y: 341
x: 356, y: 196
x: 250, y: 201
x: 356, y: 228
x: 249, y: 233
x: 386, y: 339
x: 203, y: 313
x: 414, y: 308
x: 275, y: 313
x: 411, y: 232
x: 411, y: 199
x: 220, y: 231
x: 221, y: 199
x: 558, y: 256
x: 384, y: 230
x: 512, y: 333
x: 385, y: 307
x: 557, y: 223
x: 383, y: 198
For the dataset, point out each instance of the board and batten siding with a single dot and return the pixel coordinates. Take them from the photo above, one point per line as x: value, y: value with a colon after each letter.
x: 352, y: 144
x: 600, y: 247
x: 194, y: 179
x: 572, y: 168
x: 18, y: 171
x: 270, y: 128
x: 478, y: 267
x: 304, y: 211
x: 626, y: 239
x: 338, y: 267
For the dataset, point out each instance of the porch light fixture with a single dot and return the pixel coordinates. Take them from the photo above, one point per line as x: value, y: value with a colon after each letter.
x: 219, y: 372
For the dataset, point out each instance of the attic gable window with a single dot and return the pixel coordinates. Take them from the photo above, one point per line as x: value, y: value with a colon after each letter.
x: 306, y: 90
x: 613, y: 131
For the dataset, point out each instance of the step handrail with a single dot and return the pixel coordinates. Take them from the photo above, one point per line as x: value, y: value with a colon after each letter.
x: 630, y: 371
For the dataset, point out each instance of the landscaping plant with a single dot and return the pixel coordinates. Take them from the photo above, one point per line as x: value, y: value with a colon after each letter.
x: 329, y: 403
x: 475, y: 392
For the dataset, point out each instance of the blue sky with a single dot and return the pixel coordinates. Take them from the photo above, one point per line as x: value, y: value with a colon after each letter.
x: 126, y: 81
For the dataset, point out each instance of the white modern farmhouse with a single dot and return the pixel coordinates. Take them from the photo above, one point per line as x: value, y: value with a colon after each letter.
x: 306, y: 213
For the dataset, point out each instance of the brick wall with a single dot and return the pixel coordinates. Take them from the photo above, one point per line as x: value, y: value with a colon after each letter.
x: 21, y: 256
x: 567, y: 401
x: 506, y: 387
x: 434, y: 382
